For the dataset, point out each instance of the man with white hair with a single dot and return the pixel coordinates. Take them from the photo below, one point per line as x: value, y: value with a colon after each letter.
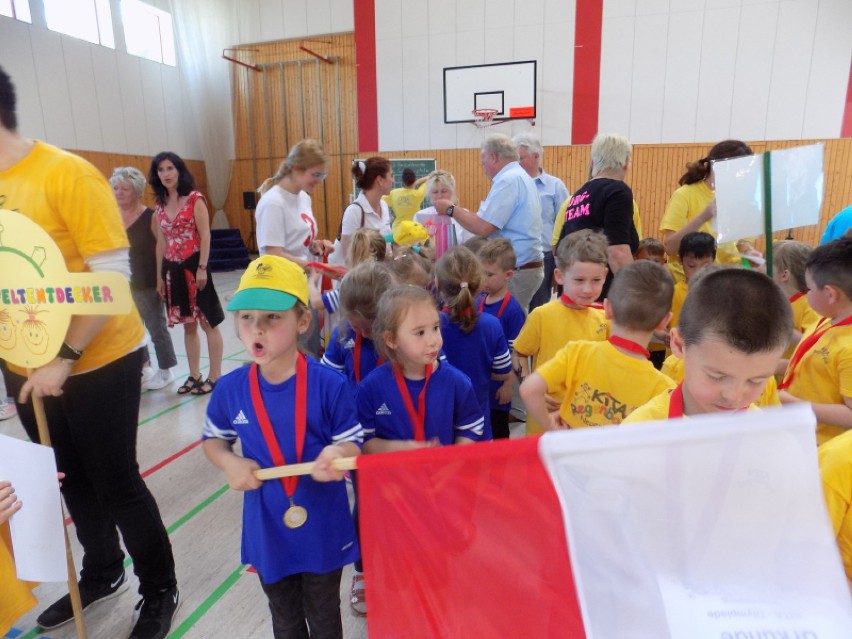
x: 551, y: 193
x: 512, y: 210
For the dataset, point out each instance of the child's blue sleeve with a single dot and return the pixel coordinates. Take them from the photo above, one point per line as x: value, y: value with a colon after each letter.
x: 514, y: 322
x: 335, y: 355
x: 331, y: 301
x: 501, y: 358
x: 468, y: 420
x: 217, y: 424
x: 366, y: 414
x: 345, y: 426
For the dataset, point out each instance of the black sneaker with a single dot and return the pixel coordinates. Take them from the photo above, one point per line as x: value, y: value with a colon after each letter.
x: 156, y: 614
x: 61, y: 612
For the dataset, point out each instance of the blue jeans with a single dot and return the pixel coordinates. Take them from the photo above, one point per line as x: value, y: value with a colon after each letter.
x: 153, y: 313
x: 93, y: 427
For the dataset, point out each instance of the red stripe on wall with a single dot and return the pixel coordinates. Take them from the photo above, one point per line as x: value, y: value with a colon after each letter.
x: 846, y: 127
x: 587, y: 70
x: 365, y: 55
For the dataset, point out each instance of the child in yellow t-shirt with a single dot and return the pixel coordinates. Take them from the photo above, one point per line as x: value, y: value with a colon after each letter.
x: 697, y: 251
x: 835, y: 468
x: 820, y: 371
x: 790, y: 257
x: 603, y: 382
x: 17, y: 597
x: 581, y: 268
x: 405, y: 201
x: 734, y: 325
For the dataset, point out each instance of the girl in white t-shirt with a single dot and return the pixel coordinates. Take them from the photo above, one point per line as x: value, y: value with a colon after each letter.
x: 285, y: 222
x: 374, y: 177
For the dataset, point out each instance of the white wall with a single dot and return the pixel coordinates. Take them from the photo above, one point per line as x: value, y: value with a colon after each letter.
x: 270, y: 20
x: 671, y: 70
x: 83, y: 96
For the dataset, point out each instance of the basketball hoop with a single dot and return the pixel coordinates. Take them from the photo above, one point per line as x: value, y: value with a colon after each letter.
x: 484, y: 117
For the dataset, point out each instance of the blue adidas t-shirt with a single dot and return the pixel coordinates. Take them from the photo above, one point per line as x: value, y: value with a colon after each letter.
x: 452, y: 409
x: 340, y: 355
x: 512, y: 320
x: 327, y: 540
x: 478, y: 354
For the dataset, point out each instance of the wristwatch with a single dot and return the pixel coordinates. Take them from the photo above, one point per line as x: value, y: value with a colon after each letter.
x: 450, y: 209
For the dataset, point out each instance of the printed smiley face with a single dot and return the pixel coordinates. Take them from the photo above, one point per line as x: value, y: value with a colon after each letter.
x: 8, y: 337
x: 34, y: 332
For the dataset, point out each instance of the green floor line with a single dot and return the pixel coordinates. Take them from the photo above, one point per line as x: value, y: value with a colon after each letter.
x: 32, y: 633
x: 207, y: 604
x: 192, y: 513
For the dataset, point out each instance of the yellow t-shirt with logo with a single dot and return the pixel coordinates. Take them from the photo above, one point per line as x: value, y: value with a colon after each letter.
x: 72, y: 201
x: 599, y: 384
x: 405, y: 202
x: 835, y: 468
x: 17, y: 597
x: 824, y: 374
x: 673, y: 367
x: 550, y: 327
x: 687, y: 202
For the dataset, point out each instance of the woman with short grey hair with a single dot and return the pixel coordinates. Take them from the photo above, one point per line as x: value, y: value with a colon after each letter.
x: 128, y: 185
x: 605, y: 202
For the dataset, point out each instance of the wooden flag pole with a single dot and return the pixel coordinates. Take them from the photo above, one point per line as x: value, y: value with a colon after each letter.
x: 291, y: 470
x: 73, y: 587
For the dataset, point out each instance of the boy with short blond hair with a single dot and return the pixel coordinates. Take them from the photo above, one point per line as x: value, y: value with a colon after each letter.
x: 603, y: 382
x: 820, y: 370
x: 498, y: 265
x: 650, y: 248
x: 581, y: 268
x: 729, y: 349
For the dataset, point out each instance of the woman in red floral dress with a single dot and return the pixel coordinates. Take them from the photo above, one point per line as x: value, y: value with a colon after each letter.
x: 183, y: 246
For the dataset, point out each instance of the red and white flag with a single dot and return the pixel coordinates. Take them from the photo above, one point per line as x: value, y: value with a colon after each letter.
x: 709, y: 527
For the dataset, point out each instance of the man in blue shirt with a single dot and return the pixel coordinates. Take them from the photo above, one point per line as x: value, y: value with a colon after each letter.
x: 512, y: 210
x: 551, y: 193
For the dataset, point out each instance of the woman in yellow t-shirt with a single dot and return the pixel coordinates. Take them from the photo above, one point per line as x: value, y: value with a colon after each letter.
x: 693, y: 206
x: 17, y: 596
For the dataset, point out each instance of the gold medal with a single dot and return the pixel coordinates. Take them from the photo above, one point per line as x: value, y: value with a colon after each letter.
x: 295, y: 516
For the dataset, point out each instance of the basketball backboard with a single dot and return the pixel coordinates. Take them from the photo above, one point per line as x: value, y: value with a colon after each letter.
x: 507, y: 87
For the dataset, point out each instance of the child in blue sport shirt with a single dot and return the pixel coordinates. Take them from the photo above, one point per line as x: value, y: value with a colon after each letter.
x: 287, y: 408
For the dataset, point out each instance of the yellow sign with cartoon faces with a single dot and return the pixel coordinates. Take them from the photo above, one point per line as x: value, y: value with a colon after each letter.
x: 38, y: 295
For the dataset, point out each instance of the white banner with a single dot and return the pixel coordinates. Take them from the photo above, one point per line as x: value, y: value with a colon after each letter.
x: 707, y: 527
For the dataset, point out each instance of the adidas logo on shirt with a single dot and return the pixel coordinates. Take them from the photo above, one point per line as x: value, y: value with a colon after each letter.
x: 240, y: 418
x: 350, y: 344
x: 383, y: 410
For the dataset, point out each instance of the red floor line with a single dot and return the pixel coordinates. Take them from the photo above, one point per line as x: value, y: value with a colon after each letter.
x: 158, y: 466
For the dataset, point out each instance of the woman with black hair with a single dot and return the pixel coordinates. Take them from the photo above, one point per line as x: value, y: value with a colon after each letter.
x: 183, y: 247
x: 692, y: 207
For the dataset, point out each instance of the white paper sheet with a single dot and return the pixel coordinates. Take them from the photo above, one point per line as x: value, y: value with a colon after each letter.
x: 713, y: 526
x: 37, y: 534
x: 797, y: 182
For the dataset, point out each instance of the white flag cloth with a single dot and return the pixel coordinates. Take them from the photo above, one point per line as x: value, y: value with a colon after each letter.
x: 707, y: 527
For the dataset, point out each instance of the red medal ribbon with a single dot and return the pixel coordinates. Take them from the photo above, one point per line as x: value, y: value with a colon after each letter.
x: 676, y: 402
x: 418, y: 417
x: 567, y: 300
x: 805, y: 345
x: 797, y: 296
x: 503, y: 306
x: 629, y: 345
x: 356, y: 358
x: 301, y: 422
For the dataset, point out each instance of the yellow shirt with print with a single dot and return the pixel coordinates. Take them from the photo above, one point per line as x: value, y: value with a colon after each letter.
x: 685, y: 203
x: 673, y: 367
x: 550, y: 327
x: 599, y: 384
x: 72, y: 201
x: 824, y: 374
x: 405, y: 202
x: 17, y: 597
x: 835, y: 468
